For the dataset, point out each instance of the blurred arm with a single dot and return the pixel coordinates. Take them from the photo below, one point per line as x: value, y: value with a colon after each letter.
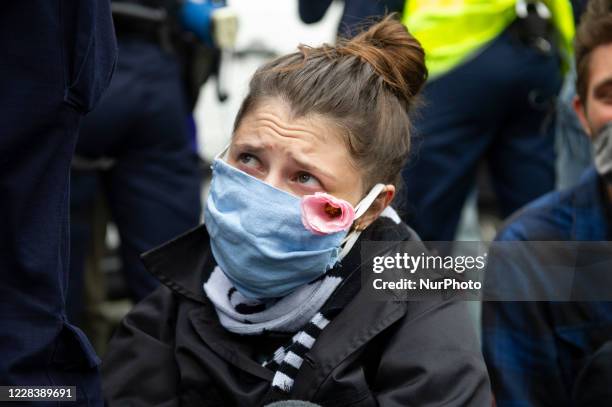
x: 312, y: 11
x: 521, y: 355
x: 518, y: 338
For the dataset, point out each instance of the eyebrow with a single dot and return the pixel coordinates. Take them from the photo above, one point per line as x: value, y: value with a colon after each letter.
x: 252, y: 147
x: 311, y: 168
x: 258, y: 148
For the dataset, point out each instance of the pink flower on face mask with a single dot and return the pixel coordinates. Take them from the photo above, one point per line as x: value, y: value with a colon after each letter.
x: 323, y: 214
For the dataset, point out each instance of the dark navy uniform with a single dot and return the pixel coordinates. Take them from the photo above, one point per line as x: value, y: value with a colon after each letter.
x: 356, y: 13
x: 56, y: 58
x: 141, y: 127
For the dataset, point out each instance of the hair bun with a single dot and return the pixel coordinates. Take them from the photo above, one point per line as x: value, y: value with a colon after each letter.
x: 394, y: 54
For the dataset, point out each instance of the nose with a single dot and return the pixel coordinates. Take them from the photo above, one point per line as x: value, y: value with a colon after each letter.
x: 275, y: 179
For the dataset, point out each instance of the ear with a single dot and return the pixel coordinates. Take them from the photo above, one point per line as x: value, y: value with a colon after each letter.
x: 380, y: 203
x: 580, y: 109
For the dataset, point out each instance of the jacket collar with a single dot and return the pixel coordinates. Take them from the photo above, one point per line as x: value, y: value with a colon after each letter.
x: 181, y: 263
x: 589, y: 209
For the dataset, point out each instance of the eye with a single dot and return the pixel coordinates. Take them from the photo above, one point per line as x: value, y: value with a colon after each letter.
x: 248, y: 159
x: 307, y: 179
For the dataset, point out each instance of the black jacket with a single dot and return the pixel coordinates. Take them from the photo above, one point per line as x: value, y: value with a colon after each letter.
x: 171, y: 349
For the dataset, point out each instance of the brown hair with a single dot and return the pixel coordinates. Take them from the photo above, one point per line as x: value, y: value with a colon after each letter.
x: 595, y: 29
x: 366, y: 85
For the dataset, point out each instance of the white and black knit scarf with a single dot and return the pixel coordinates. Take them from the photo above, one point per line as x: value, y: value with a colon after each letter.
x: 240, y: 315
x: 306, y: 311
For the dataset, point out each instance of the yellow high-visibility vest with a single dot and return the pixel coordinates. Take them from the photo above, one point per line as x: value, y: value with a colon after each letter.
x: 452, y: 30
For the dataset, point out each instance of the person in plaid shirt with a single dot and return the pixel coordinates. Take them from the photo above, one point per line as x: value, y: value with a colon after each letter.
x: 544, y: 353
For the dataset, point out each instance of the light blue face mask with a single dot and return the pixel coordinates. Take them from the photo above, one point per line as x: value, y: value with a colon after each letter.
x: 258, y: 239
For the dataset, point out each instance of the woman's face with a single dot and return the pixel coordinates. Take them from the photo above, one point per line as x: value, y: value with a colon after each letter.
x: 300, y: 156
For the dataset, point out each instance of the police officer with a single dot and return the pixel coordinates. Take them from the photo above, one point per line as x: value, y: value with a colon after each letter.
x: 56, y: 58
x: 495, y: 70
x: 140, y: 144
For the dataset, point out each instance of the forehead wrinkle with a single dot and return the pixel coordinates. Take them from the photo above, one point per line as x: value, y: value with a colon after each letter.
x: 287, y: 132
x: 251, y: 139
x: 301, y: 150
x: 286, y: 118
x: 292, y: 129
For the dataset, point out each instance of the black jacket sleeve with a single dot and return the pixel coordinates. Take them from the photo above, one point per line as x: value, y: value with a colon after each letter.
x: 434, y: 359
x: 139, y: 368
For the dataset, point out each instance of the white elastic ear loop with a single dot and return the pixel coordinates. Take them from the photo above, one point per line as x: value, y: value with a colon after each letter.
x: 349, y: 241
x: 366, y: 202
x: 221, y: 153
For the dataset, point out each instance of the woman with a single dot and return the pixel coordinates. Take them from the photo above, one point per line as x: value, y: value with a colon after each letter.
x: 264, y: 302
